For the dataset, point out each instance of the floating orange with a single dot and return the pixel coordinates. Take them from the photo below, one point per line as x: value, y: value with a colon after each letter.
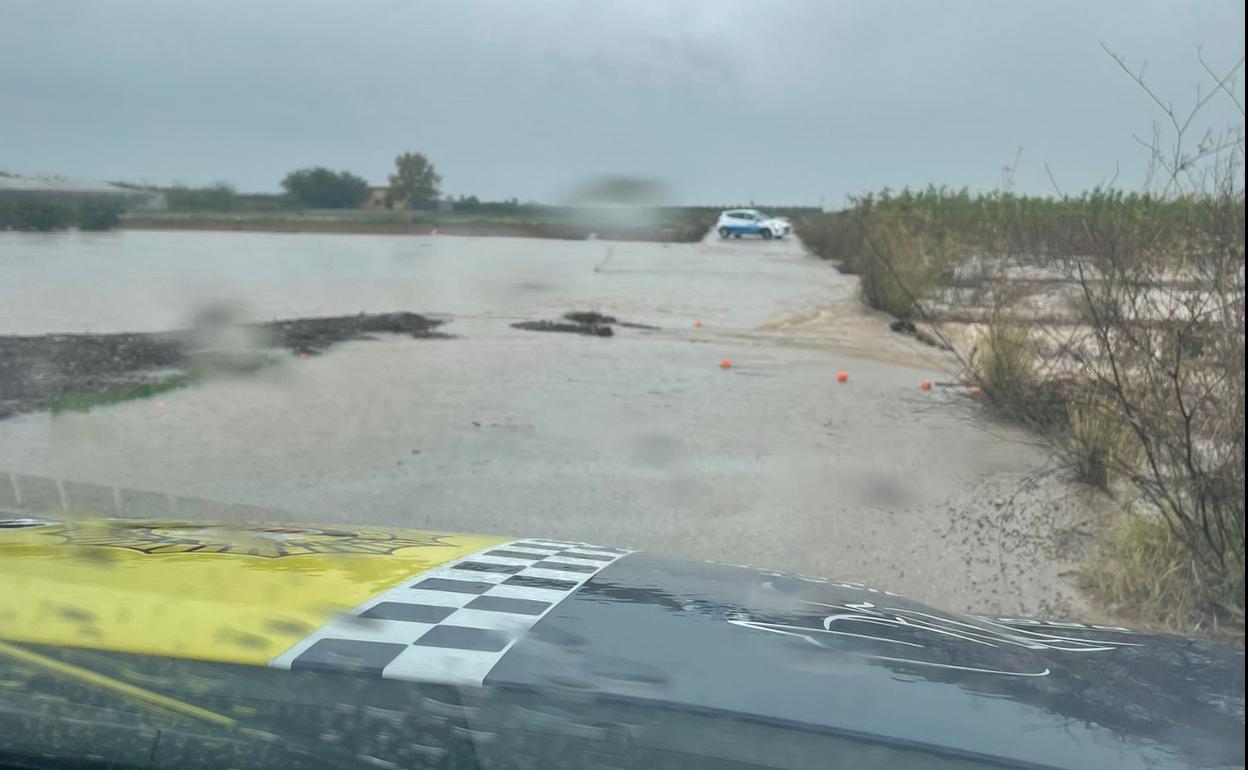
x: 725, y: 364
x: 842, y: 377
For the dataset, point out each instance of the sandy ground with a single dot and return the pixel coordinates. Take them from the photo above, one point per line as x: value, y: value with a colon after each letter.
x: 640, y: 439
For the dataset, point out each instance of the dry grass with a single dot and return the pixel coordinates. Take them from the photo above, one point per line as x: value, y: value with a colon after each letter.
x: 1007, y: 362
x: 1098, y: 443
x: 1143, y: 571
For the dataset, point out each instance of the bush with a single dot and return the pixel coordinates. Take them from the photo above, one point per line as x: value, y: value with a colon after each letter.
x: 1007, y: 363
x: 218, y: 197
x: 95, y: 214
x: 41, y: 215
x: 320, y: 188
x: 46, y: 214
x: 902, y: 263
x: 1098, y: 443
x: 1145, y: 570
x: 900, y: 253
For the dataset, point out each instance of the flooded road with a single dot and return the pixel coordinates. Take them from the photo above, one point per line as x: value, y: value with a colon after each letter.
x: 639, y: 440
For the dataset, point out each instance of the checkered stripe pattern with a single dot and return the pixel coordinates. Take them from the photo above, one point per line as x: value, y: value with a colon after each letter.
x: 453, y: 623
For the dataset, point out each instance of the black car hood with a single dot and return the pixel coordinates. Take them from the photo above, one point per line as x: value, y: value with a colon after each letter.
x: 853, y: 660
x: 492, y: 617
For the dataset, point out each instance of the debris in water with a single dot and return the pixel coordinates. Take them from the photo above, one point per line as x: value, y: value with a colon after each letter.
x: 589, y: 322
x: 902, y: 327
x: 594, y: 330
x: 589, y: 317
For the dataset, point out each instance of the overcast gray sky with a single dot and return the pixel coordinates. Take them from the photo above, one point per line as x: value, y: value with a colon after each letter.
x: 780, y: 102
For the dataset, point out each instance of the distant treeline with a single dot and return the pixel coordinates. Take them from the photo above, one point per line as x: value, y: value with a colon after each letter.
x: 1002, y: 222
x: 220, y: 197
x: 223, y: 197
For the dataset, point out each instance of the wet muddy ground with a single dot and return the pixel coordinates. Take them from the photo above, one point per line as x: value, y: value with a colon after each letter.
x: 638, y: 439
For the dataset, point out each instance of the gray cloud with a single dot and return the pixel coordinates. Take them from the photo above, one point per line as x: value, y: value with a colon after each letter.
x: 723, y: 100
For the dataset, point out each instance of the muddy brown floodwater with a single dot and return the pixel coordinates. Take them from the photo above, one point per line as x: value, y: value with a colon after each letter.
x: 639, y: 439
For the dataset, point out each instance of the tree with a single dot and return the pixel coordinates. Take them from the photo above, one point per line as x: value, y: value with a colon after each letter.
x: 416, y: 181
x: 321, y: 188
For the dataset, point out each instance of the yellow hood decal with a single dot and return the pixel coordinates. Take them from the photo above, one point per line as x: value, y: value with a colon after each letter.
x: 234, y: 593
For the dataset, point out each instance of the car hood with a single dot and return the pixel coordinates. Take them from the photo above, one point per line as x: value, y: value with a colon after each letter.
x: 549, y: 614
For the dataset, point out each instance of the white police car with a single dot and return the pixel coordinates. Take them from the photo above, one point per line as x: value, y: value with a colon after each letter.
x: 738, y: 222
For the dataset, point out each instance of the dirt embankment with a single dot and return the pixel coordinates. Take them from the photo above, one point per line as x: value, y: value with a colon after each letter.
x: 37, y: 372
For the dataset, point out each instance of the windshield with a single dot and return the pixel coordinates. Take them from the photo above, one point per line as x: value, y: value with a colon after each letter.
x: 429, y: 344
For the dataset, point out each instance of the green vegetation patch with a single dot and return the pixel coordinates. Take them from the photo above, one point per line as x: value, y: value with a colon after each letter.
x: 87, y: 401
